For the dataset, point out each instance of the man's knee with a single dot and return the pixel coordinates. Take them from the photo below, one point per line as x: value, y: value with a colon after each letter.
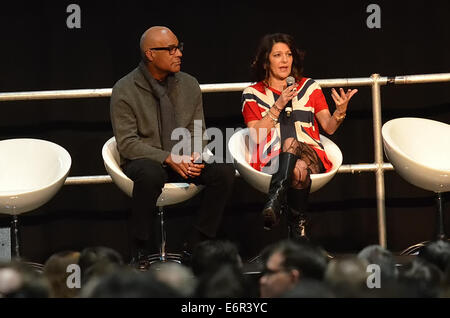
x: 223, y: 172
x: 148, y: 172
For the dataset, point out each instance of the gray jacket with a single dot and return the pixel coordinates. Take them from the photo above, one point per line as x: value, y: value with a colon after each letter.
x: 135, y: 114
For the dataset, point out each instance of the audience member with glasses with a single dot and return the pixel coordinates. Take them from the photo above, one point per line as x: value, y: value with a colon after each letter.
x: 146, y: 106
x: 288, y: 263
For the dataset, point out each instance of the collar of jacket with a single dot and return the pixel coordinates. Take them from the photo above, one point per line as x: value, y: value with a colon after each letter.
x: 142, y: 82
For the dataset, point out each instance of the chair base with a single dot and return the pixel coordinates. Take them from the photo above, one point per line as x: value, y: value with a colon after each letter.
x: 168, y: 257
x: 36, y: 266
x: 415, y: 249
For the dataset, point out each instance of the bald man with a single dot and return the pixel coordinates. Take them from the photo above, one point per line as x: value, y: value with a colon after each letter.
x: 146, y: 106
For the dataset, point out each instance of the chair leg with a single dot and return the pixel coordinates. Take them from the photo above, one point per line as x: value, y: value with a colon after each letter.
x: 440, y: 233
x: 15, y: 245
x: 163, y: 235
x: 15, y: 251
x: 163, y: 256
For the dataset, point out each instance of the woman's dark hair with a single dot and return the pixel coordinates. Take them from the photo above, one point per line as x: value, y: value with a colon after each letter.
x: 260, y: 65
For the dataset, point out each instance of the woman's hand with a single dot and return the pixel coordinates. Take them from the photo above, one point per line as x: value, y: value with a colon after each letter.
x: 286, y: 95
x: 342, y: 99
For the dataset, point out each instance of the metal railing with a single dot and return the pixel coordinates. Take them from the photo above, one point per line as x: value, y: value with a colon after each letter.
x: 375, y: 81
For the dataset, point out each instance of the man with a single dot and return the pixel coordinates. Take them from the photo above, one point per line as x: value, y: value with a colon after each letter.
x: 146, y: 106
x: 286, y: 263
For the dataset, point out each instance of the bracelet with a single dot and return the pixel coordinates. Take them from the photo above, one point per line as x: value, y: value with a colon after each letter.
x: 274, y: 120
x: 275, y: 105
x: 339, y: 117
x: 273, y: 114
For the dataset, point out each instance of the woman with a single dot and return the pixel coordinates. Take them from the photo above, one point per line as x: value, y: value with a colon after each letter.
x: 283, y: 123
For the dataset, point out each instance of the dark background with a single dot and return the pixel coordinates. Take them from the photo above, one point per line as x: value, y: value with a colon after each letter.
x: 39, y: 52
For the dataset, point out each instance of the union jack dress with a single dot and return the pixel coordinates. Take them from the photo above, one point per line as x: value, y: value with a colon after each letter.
x: 302, y: 125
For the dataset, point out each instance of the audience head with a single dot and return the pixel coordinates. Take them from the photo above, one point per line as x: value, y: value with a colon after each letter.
x: 226, y: 282
x: 437, y: 253
x: 209, y: 256
x: 422, y: 278
x: 286, y: 263
x: 310, y: 288
x: 18, y: 280
x: 347, y: 276
x: 375, y: 254
x: 128, y: 283
x: 98, y: 260
x: 56, y: 272
x: 177, y: 276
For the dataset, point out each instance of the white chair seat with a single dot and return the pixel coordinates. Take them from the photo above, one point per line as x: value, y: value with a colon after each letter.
x: 31, y: 172
x: 260, y: 180
x: 419, y: 150
x: 172, y: 193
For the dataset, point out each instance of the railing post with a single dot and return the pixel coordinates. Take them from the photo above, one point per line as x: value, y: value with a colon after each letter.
x: 379, y: 174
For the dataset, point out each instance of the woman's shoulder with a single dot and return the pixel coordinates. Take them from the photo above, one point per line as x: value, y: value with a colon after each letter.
x: 304, y: 80
x: 309, y: 82
x: 259, y: 86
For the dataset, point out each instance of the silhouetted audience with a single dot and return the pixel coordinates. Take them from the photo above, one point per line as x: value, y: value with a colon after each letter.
x: 18, y: 280
x: 290, y: 270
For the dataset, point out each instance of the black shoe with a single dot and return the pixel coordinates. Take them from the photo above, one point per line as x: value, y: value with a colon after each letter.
x: 186, y: 258
x: 186, y: 254
x: 258, y: 259
x: 140, y: 261
x: 297, y: 200
x: 297, y: 228
x: 279, y: 184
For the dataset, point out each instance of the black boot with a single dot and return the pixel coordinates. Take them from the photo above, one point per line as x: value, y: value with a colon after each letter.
x: 298, y: 203
x: 279, y: 184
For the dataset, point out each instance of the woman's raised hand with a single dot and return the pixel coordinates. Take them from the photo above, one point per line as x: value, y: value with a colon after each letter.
x: 342, y: 99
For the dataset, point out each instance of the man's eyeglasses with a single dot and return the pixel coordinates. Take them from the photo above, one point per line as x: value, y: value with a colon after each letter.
x: 171, y: 48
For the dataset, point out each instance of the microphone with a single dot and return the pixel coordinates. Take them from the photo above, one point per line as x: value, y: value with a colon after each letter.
x: 289, y: 82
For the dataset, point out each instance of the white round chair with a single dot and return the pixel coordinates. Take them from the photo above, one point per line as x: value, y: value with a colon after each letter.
x: 31, y: 172
x: 419, y: 150
x: 172, y: 193
x: 238, y: 148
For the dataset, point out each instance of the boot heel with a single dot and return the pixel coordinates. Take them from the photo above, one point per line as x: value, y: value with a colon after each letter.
x: 271, y: 217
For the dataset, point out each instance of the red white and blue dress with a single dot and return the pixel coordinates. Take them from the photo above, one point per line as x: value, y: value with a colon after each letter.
x: 302, y: 125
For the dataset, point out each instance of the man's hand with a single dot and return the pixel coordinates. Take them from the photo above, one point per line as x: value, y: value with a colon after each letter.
x: 184, y: 165
x: 196, y: 166
x: 180, y: 164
